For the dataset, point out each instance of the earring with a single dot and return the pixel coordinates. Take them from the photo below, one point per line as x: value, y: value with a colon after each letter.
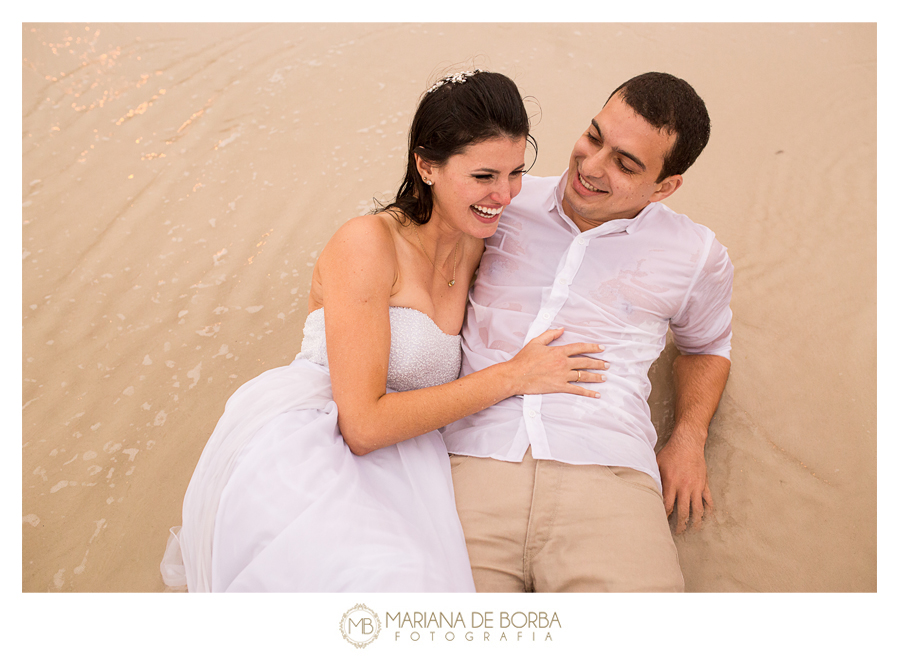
x: 427, y: 182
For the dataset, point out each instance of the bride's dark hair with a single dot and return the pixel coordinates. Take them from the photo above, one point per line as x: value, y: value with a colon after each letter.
x: 451, y: 117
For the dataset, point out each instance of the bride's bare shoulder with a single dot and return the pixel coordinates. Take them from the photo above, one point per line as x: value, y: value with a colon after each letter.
x: 363, y: 247
x: 368, y: 233
x: 361, y: 253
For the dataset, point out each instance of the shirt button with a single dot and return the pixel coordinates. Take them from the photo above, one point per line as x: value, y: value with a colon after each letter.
x: 545, y: 315
x: 532, y: 413
x: 580, y: 240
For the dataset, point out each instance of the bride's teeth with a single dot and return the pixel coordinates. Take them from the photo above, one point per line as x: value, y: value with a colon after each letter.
x: 488, y: 211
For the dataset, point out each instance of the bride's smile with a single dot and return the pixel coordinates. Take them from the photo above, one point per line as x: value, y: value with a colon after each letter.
x: 473, y: 187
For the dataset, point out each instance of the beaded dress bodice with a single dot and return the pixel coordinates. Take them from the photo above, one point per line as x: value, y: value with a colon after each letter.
x: 421, y: 354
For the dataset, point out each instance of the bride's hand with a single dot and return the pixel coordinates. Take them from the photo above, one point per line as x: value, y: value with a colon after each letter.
x: 538, y: 368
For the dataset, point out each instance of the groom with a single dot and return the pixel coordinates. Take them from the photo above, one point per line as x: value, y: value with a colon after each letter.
x: 565, y: 493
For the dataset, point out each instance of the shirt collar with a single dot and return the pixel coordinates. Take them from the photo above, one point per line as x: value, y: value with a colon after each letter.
x: 554, y: 203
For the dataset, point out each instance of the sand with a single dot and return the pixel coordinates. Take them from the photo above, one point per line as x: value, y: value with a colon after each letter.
x: 180, y: 180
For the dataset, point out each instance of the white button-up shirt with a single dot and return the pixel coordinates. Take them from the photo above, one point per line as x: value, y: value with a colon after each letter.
x: 622, y: 285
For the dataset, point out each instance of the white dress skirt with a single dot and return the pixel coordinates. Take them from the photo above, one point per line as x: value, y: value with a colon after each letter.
x: 278, y: 503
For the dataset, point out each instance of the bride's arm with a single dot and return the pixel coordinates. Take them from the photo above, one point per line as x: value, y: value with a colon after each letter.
x: 357, y: 270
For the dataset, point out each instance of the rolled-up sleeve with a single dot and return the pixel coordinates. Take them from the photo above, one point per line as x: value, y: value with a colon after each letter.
x: 703, y: 324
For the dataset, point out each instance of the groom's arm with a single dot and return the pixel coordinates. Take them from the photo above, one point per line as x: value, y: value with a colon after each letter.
x: 699, y: 383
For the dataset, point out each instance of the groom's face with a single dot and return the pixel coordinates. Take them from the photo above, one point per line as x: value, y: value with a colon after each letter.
x: 614, y: 166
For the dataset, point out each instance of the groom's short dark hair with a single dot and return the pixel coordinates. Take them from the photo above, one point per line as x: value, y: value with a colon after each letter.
x: 671, y: 104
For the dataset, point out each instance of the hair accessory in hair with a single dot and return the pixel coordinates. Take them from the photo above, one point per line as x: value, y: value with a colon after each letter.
x: 458, y: 78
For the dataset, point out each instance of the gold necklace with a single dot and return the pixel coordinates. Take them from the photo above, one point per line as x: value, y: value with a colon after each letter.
x: 455, y: 253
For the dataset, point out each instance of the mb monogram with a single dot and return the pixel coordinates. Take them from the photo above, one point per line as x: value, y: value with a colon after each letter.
x: 360, y: 625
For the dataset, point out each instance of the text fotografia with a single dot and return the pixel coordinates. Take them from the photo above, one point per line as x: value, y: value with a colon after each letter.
x: 477, y: 626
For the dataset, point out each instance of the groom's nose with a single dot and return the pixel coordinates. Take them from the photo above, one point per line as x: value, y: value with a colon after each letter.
x: 594, y: 165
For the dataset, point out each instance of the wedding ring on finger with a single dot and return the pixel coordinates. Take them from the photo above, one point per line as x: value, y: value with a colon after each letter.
x: 579, y: 376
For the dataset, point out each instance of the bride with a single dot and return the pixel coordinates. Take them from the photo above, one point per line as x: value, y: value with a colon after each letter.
x: 329, y: 474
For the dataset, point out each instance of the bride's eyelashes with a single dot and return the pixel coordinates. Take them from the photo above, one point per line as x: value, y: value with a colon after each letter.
x: 489, y: 177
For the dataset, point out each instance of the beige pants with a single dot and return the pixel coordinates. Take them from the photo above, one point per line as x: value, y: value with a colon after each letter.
x: 545, y: 526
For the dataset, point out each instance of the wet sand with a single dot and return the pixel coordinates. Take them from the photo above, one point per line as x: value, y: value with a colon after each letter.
x: 180, y: 180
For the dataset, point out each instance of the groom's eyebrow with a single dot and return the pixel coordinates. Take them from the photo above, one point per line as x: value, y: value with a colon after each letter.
x: 628, y: 155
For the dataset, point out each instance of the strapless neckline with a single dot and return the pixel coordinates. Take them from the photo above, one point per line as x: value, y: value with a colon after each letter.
x: 405, y: 308
x: 421, y: 354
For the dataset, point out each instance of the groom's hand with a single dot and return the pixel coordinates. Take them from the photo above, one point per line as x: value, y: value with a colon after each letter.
x: 682, y: 469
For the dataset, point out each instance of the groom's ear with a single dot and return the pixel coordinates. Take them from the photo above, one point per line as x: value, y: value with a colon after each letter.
x: 667, y: 187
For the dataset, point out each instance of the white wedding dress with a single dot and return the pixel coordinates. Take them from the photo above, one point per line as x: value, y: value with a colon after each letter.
x: 278, y: 503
